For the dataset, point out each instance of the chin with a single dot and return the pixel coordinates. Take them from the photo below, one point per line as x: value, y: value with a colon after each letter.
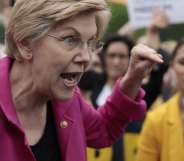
x: 64, y: 95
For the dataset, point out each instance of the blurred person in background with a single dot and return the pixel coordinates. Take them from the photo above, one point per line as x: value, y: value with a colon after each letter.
x: 115, y: 59
x: 159, y: 21
x: 5, y: 13
x: 96, y: 67
x: 49, y: 44
x: 162, y: 136
x: 152, y: 83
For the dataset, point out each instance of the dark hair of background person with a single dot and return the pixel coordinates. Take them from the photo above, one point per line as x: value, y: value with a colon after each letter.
x: 112, y: 39
x: 179, y: 44
x: 12, y: 2
x: 2, y: 28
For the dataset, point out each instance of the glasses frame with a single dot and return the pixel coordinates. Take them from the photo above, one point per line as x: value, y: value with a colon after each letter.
x: 98, y: 46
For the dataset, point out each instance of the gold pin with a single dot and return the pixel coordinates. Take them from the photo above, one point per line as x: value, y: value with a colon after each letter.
x: 64, y: 124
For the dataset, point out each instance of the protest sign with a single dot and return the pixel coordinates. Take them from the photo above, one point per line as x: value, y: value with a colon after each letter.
x: 140, y: 11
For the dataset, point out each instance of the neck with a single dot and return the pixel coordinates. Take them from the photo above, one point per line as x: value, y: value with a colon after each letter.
x: 25, y: 97
x: 111, y: 81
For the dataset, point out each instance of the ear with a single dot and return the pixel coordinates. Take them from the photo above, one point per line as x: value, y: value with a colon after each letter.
x: 24, y: 48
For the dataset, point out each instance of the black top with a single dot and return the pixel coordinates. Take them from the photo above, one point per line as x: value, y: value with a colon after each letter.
x: 47, y: 149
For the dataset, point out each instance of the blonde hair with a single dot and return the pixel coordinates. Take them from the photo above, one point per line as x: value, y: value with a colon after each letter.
x: 32, y: 19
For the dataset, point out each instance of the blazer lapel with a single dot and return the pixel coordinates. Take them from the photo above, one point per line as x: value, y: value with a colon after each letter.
x: 64, y: 123
x: 6, y: 102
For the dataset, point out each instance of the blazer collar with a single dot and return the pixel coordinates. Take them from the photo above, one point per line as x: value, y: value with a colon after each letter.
x: 6, y: 102
x: 64, y: 113
x: 175, y: 130
x: 174, y: 114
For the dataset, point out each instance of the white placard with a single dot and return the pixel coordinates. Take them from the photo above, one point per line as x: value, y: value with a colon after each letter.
x: 140, y: 11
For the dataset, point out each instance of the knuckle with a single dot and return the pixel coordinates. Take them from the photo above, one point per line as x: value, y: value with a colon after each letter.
x: 135, y: 49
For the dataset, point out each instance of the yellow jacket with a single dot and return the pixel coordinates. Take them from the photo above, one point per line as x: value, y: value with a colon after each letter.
x: 162, y: 137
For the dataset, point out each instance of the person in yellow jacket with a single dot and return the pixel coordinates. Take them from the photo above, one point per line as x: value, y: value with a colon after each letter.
x: 162, y: 136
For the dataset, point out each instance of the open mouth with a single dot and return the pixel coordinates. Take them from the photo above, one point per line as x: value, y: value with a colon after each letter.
x: 71, y: 79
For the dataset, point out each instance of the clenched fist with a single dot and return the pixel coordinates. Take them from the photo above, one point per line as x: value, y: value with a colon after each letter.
x: 141, y: 63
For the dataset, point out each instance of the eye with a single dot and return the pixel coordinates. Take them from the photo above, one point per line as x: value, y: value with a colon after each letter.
x: 111, y: 55
x: 123, y: 56
x: 71, y: 40
x: 181, y: 62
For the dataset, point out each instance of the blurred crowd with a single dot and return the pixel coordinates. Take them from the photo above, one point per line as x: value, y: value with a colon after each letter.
x: 161, y: 132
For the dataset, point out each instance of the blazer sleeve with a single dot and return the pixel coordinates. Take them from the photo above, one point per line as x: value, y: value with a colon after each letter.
x: 105, y: 125
x: 148, y: 147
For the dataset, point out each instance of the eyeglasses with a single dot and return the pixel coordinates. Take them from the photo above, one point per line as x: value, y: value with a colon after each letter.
x: 72, y: 42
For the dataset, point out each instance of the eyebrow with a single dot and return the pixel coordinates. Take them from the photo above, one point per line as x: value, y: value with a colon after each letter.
x: 78, y: 33
x: 122, y: 53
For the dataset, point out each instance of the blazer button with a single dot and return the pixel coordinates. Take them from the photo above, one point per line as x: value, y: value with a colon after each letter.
x: 64, y: 124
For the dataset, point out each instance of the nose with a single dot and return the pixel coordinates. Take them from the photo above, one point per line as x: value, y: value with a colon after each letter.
x: 116, y: 61
x: 83, y: 56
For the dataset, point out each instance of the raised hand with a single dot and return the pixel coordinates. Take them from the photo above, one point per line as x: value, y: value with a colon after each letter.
x: 141, y: 63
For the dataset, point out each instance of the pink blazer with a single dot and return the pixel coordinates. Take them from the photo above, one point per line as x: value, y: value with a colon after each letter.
x: 78, y: 124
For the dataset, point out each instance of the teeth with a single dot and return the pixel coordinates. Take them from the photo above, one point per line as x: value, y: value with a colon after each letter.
x: 66, y: 75
x: 71, y: 79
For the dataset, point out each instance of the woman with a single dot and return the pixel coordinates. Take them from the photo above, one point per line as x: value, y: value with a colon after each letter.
x: 42, y: 115
x: 162, y: 137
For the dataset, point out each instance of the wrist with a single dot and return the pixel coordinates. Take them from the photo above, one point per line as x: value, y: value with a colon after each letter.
x: 130, y: 85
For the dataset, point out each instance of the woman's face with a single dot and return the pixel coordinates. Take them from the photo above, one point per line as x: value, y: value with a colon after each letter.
x: 59, y: 61
x: 116, y: 59
x: 178, y: 67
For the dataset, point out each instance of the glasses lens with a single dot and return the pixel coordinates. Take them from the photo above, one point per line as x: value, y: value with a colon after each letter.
x: 71, y: 42
x: 98, y: 46
x: 95, y: 46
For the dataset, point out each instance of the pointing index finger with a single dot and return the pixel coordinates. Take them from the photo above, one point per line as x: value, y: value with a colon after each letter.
x: 144, y: 52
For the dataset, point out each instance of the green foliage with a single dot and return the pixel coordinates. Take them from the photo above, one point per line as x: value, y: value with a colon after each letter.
x: 172, y: 32
x: 119, y: 17
x: 2, y: 30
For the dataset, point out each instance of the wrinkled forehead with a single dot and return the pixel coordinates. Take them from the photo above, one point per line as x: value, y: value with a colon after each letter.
x: 81, y: 24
